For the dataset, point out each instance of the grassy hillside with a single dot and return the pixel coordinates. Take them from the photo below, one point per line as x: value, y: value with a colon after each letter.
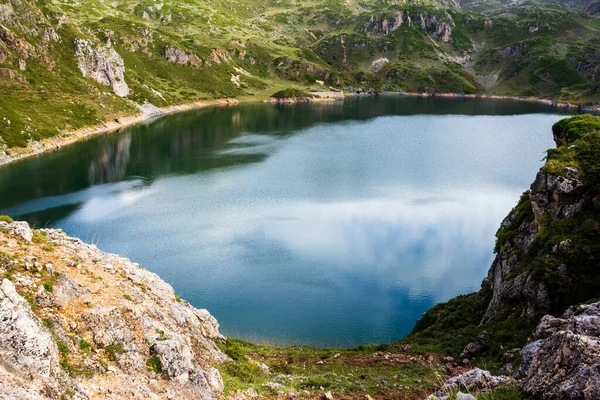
x: 181, y: 51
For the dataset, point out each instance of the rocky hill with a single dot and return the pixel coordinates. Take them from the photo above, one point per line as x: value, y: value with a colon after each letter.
x: 69, y: 65
x: 79, y: 323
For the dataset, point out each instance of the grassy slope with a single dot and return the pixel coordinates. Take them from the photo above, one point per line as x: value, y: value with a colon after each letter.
x: 281, y: 45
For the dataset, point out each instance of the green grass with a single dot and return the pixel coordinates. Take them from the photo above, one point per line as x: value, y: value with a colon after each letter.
x: 84, y: 346
x: 6, y: 218
x: 361, y: 370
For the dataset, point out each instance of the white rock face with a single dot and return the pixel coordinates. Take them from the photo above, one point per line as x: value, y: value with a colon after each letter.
x: 103, y: 64
x: 22, y: 229
x: 378, y: 64
x: 25, y: 345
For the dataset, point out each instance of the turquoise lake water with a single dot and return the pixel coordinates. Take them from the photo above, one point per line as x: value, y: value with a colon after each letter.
x: 327, y: 224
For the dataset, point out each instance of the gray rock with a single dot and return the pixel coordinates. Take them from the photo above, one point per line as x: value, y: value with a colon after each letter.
x: 214, y: 379
x: 465, y: 396
x: 478, y: 347
x: 564, y: 363
x: 25, y: 345
x: 43, y: 298
x: 175, y: 55
x: 473, y: 380
x: 175, y: 357
x: 21, y: 229
x: 66, y: 289
x: 103, y: 64
x: 108, y: 326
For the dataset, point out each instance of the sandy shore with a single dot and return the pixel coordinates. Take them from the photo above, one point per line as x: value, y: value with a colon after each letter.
x: 69, y: 137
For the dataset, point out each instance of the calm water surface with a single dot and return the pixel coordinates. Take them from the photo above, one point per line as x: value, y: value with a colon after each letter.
x: 328, y: 224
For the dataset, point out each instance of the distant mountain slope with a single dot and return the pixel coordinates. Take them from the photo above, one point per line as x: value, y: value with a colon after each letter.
x: 70, y: 65
x: 588, y: 6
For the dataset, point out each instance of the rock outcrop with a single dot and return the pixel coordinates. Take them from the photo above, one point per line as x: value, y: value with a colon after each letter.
x: 512, y: 284
x: 563, y: 360
x: 78, y: 321
x: 436, y: 27
x: 103, y: 64
x: 475, y: 380
x: 176, y: 55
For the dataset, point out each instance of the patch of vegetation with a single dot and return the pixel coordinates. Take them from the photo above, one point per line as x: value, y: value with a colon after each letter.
x: 447, y: 328
x: 569, y: 130
x: 39, y: 237
x: 113, y: 350
x: 347, y: 372
x: 49, y: 247
x: 154, y: 364
x: 84, y: 346
x: 290, y: 93
x: 521, y: 213
x: 161, y: 335
x: 6, y: 218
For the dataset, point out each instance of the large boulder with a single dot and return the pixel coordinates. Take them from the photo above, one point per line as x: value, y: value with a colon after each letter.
x: 475, y: 380
x: 564, y: 360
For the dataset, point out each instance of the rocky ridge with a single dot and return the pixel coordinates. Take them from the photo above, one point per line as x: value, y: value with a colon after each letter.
x: 81, y: 323
x: 435, y: 26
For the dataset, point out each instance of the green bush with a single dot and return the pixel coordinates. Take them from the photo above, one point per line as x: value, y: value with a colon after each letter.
x: 6, y: 218
x: 84, y: 346
x: 154, y: 364
x: 569, y: 130
x: 290, y: 93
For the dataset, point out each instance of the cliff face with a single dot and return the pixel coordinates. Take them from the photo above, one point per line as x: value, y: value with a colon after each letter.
x: 546, y: 260
x: 435, y: 26
x: 81, y: 323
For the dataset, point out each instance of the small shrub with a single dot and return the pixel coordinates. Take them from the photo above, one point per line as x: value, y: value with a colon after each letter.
x: 244, y: 371
x: 48, y: 247
x: 84, y: 346
x: 154, y: 364
x: 6, y: 218
x: 48, y: 287
x: 113, y: 350
x: 62, y: 347
x: 39, y: 237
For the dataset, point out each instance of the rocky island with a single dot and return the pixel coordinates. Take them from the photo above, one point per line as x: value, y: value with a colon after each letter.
x: 80, y: 323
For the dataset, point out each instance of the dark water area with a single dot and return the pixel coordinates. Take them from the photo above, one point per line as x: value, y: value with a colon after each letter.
x: 331, y: 224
